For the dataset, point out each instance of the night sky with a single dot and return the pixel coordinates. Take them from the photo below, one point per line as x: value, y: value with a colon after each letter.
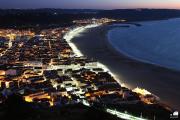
x: 90, y: 4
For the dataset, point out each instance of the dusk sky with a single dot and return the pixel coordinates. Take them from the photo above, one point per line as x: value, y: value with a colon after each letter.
x: 90, y: 4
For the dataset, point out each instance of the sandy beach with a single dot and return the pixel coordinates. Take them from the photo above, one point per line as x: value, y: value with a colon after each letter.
x: 160, y: 81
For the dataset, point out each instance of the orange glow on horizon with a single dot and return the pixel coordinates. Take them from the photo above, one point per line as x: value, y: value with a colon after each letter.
x: 169, y: 4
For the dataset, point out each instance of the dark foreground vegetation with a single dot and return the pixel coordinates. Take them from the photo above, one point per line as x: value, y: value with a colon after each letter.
x: 15, y: 108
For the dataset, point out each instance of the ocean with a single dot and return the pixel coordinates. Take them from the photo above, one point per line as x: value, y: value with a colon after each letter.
x: 155, y: 42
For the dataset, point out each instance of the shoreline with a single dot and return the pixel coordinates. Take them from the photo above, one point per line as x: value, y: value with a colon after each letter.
x: 76, y: 32
x: 136, y: 58
x: 131, y: 72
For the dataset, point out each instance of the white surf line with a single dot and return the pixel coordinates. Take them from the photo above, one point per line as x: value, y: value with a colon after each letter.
x: 75, y: 32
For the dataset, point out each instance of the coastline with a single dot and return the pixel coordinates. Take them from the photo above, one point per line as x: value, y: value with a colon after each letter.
x: 75, y: 33
x: 131, y: 72
x: 152, y: 60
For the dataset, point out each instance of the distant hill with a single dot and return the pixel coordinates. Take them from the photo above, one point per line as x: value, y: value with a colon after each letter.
x: 64, y: 17
x: 141, y: 14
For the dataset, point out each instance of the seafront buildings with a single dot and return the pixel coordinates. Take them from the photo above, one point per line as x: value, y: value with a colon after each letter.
x: 44, y: 69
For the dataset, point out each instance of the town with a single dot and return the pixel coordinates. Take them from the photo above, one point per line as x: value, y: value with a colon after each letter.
x: 44, y: 69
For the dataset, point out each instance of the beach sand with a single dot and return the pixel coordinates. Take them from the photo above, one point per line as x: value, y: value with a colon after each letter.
x: 162, y: 82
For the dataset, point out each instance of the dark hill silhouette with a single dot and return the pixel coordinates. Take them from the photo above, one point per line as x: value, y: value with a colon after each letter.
x: 16, y: 18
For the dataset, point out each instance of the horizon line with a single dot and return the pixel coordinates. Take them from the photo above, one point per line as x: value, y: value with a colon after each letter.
x: 89, y: 8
